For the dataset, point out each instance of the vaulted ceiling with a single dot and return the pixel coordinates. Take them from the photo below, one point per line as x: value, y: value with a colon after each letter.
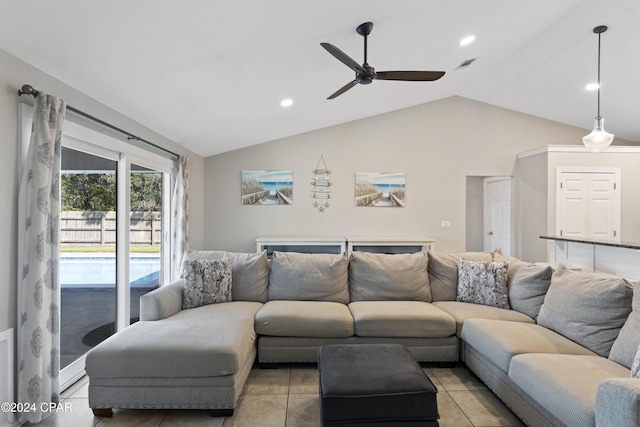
x: 210, y: 74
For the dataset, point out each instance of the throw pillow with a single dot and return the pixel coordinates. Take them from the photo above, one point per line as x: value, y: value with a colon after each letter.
x: 587, y: 308
x: 309, y: 277
x: 443, y: 272
x: 527, y: 287
x: 625, y: 347
x: 250, y: 272
x: 483, y: 282
x: 389, y: 277
x: 635, y: 368
x: 206, y: 282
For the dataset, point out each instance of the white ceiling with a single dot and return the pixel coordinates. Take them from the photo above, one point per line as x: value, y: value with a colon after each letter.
x: 210, y: 74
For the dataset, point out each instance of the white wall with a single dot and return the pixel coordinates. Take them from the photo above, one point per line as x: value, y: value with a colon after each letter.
x: 531, y: 207
x: 13, y: 74
x: 436, y: 144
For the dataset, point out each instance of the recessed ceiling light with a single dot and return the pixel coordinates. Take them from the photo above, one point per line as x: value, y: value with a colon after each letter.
x: 467, y: 40
x: 286, y: 102
x: 592, y: 86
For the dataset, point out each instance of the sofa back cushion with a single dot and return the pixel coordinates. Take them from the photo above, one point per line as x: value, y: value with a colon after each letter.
x: 389, y: 277
x: 249, y: 272
x: 626, y: 346
x: 528, y: 284
x: 587, y: 308
x: 309, y: 277
x: 443, y: 272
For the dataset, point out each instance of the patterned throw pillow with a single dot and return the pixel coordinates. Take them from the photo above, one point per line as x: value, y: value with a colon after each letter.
x: 206, y: 282
x: 635, y: 368
x: 483, y: 282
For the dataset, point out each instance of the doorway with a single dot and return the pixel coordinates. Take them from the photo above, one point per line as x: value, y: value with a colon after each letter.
x: 497, y: 214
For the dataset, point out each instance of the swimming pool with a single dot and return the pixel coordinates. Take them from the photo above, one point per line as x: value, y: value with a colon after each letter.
x: 101, y: 271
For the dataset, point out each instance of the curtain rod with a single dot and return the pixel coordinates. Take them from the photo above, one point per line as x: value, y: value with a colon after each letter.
x: 29, y: 90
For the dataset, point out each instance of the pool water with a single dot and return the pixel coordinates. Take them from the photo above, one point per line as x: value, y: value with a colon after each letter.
x: 101, y: 271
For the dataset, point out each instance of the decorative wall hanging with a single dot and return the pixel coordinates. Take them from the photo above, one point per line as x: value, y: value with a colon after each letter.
x: 380, y: 189
x: 267, y: 187
x: 321, y: 186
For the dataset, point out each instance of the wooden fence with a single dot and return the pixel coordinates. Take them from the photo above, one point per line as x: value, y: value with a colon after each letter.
x: 99, y: 228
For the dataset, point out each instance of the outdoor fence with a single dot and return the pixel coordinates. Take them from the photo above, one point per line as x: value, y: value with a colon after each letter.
x: 99, y: 228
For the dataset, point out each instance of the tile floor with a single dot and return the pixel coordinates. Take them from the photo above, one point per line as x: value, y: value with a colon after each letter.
x: 288, y: 396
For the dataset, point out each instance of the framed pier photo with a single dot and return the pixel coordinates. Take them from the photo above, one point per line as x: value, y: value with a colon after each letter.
x: 267, y: 187
x: 380, y: 189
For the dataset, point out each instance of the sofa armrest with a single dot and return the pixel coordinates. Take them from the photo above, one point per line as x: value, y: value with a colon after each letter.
x: 618, y: 403
x: 162, y: 302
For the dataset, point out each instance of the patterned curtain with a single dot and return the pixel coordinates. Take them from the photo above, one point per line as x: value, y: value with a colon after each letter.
x: 39, y: 291
x: 180, y: 220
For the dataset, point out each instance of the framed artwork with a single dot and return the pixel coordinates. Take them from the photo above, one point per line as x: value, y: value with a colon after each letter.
x: 267, y: 187
x: 380, y: 189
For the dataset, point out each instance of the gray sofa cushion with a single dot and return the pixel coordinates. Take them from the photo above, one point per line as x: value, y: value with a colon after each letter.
x: 587, y: 308
x: 309, y: 277
x: 443, y: 272
x: 565, y: 385
x: 625, y: 347
x: 483, y: 282
x: 304, y: 319
x: 401, y: 319
x: 500, y: 341
x: 199, y: 342
x: 528, y: 286
x: 461, y: 311
x: 249, y: 272
x: 385, y: 277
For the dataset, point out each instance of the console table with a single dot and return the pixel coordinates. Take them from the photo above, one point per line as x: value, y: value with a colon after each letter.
x: 310, y: 244
x: 390, y: 244
x: 346, y: 245
x: 596, y: 256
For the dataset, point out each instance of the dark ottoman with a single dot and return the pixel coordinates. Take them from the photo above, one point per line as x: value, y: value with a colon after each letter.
x: 374, y: 385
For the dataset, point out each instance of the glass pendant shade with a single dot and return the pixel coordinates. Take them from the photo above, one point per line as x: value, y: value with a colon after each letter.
x: 599, y: 139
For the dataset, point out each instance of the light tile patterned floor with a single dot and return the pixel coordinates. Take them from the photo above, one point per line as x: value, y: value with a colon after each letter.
x: 288, y: 397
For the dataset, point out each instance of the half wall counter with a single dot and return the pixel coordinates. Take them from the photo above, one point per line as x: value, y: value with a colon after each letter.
x: 607, y: 257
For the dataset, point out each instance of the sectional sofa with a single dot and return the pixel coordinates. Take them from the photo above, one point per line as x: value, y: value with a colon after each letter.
x: 558, y: 347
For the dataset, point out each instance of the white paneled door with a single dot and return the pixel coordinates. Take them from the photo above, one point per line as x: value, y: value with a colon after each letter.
x: 588, y: 204
x: 497, y: 214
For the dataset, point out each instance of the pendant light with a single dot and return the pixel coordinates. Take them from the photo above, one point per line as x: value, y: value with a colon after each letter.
x: 599, y: 139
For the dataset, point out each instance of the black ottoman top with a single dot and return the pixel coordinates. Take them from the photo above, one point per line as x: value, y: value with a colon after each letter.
x: 367, y: 382
x: 371, y: 369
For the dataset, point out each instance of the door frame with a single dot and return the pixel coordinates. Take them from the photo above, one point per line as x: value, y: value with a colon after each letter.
x: 617, y: 172
x: 487, y: 221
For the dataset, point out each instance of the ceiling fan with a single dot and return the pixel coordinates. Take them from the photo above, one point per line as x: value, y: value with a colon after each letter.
x: 365, y: 73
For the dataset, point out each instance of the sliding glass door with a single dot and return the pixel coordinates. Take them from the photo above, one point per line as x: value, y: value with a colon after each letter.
x: 114, y: 238
x: 88, y: 252
x: 147, y: 213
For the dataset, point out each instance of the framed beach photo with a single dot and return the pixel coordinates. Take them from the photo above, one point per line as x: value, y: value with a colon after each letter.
x: 380, y: 189
x: 267, y: 187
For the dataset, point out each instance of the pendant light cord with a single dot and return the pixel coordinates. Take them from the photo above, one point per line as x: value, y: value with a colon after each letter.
x: 599, y: 37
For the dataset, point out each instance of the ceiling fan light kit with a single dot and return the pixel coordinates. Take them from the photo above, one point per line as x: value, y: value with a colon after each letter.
x: 599, y: 139
x: 365, y: 74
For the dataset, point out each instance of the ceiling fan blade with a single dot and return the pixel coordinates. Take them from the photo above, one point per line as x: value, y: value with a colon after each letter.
x: 411, y: 76
x: 343, y: 89
x: 343, y: 57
